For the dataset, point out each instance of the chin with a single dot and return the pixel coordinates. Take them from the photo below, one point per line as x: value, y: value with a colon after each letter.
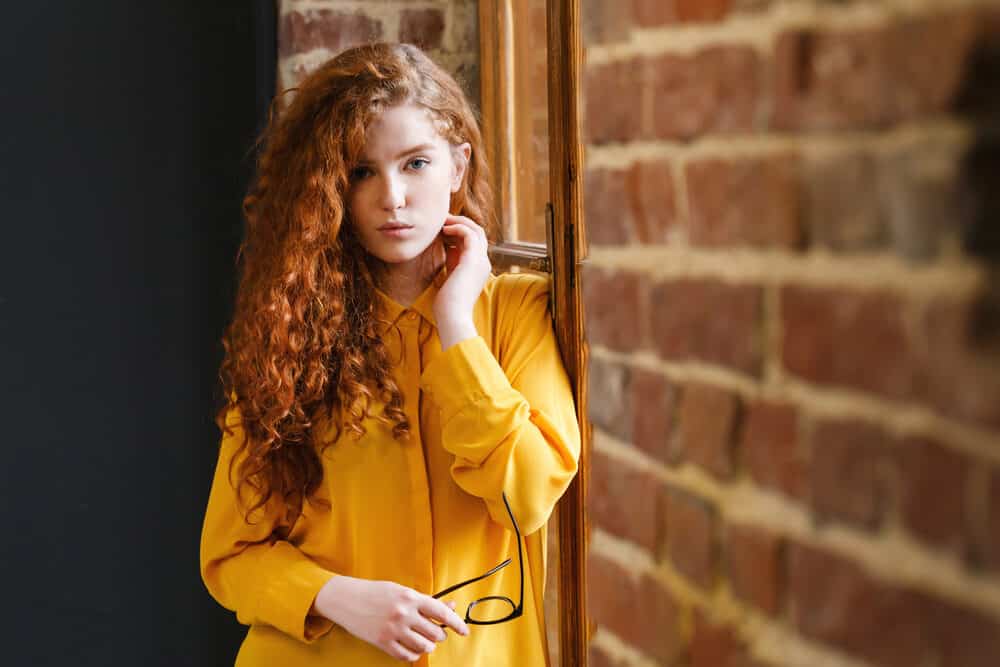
x: 400, y: 253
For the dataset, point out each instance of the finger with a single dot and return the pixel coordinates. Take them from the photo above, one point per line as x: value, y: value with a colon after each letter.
x: 469, y: 222
x: 460, y: 218
x: 460, y: 235
x: 429, y: 630
x: 437, y: 610
x: 400, y: 652
x: 416, y: 642
x: 468, y: 235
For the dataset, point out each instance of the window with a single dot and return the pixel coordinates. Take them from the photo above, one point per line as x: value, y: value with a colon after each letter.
x: 530, y: 64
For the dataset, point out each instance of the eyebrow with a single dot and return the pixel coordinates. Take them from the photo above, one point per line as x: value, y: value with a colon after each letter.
x: 408, y: 151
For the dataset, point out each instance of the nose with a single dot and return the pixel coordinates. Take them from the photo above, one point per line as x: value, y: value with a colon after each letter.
x: 393, y: 192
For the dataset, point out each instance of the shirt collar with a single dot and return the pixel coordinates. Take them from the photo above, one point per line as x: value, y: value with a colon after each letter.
x: 390, y: 310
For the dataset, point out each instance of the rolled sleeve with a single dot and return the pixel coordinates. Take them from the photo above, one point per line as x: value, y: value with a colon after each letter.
x: 511, y: 427
x: 474, y: 397
x: 247, y: 571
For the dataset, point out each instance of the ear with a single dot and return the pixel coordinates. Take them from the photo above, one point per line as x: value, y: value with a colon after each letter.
x: 460, y: 158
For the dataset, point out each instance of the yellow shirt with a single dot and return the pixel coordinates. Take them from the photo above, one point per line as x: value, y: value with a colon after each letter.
x: 495, y: 413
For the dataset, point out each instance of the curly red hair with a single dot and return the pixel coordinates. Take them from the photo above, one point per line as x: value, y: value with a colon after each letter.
x: 303, y: 341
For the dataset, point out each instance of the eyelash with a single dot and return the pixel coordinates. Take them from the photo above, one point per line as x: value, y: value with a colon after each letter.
x: 361, y: 172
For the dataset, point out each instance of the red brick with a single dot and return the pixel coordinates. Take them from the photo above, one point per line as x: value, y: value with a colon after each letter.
x: 961, y: 636
x: 423, y: 27
x: 842, y: 210
x: 650, y: 13
x: 336, y: 31
x: 604, y: 21
x: 714, y: 645
x: 834, y: 601
x: 870, y: 77
x: 701, y: 10
x: 958, y: 369
x: 747, y: 201
x: 652, y: 201
x: 751, y: 5
x: 755, y: 559
x: 848, y: 338
x: 624, y: 501
x: 850, y: 471
x: 920, y: 188
x: 830, y: 80
x: 614, y: 307
x: 636, y: 608
x: 708, y: 320
x: 928, y: 57
x: 653, y: 405
x: 984, y: 525
x: 612, y: 100
x: 770, y: 447
x: 608, y: 221
x: 690, y: 542
x: 612, y: 382
x: 707, y: 422
x: 660, y: 12
x: 715, y: 90
x: 932, y: 499
x: 467, y: 77
x: 994, y: 521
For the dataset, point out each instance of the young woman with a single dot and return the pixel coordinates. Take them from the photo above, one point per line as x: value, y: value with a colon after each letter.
x: 399, y: 416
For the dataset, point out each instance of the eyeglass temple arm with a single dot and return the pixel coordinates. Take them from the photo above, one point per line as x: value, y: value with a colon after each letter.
x: 517, y: 532
x: 472, y: 581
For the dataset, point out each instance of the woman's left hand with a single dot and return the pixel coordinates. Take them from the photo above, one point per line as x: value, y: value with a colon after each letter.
x: 468, y: 268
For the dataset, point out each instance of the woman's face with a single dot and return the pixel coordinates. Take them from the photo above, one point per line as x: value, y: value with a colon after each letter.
x: 401, y: 188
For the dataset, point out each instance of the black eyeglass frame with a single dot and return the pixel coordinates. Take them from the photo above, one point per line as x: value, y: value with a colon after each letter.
x: 516, y: 610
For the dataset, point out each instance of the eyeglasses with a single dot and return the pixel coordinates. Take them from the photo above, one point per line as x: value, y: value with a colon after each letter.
x: 491, y: 617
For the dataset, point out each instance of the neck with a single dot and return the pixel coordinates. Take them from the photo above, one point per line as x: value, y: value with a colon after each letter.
x: 405, y: 281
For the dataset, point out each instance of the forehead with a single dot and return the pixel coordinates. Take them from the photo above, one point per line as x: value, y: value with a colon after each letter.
x: 400, y: 127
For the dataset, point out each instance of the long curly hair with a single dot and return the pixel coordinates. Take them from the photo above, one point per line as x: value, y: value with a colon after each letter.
x: 303, y: 342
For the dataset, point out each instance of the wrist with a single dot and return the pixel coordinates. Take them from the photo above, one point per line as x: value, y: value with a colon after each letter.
x: 327, y: 599
x: 452, y: 330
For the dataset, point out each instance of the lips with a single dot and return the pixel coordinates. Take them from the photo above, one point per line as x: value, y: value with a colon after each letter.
x: 393, y: 225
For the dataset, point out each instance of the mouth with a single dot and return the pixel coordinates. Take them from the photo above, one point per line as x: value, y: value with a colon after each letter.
x: 393, y: 226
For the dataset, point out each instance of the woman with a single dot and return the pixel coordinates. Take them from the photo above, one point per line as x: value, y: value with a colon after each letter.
x: 396, y: 410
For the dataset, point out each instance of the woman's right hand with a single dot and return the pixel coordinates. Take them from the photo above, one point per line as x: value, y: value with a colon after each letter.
x: 398, y: 620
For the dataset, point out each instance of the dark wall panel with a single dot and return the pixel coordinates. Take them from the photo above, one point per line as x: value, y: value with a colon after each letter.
x: 126, y: 135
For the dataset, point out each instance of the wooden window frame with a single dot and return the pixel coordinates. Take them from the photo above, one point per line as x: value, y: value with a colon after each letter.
x: 561, y: 256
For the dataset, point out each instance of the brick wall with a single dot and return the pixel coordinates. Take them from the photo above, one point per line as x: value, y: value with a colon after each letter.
x: 312, y: 31
x: 796, y: 406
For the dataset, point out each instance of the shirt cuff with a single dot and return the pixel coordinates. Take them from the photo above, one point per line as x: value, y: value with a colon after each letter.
x: 463, y: 375
x: 291, y: 596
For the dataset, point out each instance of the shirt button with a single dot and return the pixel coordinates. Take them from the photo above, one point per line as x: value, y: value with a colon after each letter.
x: 411, y: 316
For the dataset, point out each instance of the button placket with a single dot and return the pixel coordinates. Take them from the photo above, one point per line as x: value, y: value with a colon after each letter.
x: 421, y: 505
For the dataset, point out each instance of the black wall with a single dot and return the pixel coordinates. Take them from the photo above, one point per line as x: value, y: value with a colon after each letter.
x: 125, y: 133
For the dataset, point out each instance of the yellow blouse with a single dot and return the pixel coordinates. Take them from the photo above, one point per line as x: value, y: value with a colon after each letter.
x: 496, y: 414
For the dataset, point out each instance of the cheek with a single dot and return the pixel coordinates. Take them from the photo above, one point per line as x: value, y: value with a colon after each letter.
x: 439, y: 190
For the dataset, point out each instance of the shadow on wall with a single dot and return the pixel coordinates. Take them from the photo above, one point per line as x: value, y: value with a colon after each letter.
x: 979, y: 100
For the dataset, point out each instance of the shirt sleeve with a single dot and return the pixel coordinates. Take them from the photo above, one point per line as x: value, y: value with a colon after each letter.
x: 512, y: 427
x: 263, y: 579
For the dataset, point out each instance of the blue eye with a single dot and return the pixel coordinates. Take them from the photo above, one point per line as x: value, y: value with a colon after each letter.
x: 423, y: 162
